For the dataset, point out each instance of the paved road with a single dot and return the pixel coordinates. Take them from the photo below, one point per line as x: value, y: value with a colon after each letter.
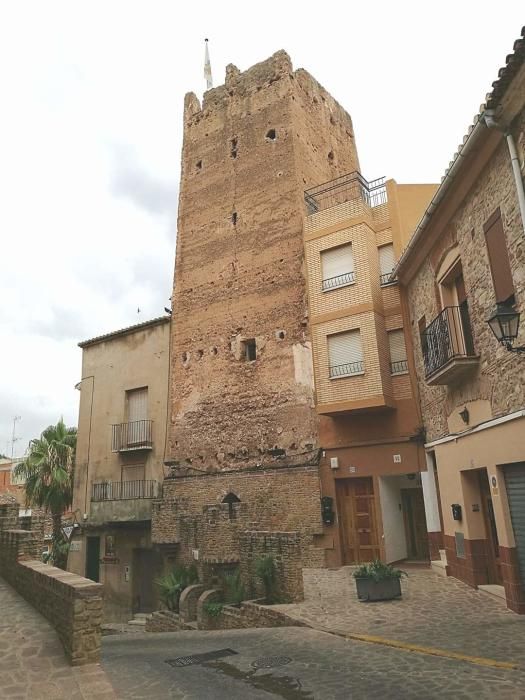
x: 32, y: 661
x: 322, y: 667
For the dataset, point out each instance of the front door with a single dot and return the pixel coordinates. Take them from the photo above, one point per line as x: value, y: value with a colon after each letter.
x: 357, y: 520
x: 93, y: 558
x: 493, y: 560
x: 143, y: 573
x: 415, y: 524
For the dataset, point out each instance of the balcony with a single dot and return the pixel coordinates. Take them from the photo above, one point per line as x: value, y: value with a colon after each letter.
x: 338, y: 281
x: 346, y: 188
x: 346, y: 370
x: 137, y: 435
x: 386, y: 279
x: 448, y: 346
x: 122, y: 501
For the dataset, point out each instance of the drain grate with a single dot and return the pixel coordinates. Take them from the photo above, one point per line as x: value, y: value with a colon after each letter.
x: 271, y: 661
x: 194, y: 659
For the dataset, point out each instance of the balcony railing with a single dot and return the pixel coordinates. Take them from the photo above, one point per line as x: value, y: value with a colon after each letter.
x: 346, y: 370
x: 343, y: 189
x: 338, y: 281
x: 399, y: 367
x: 136, y: 435
x: 124, y: 490
x: 447, y: 338
x: 385, y: 279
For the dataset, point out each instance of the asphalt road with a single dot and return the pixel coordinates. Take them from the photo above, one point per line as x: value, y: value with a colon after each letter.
x: 291, y: 663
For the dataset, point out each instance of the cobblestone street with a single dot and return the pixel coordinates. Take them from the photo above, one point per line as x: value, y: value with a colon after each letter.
x: 32, y: 662
x: 434, y: 611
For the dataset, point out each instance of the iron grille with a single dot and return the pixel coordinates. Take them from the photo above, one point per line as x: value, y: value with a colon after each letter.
x: 346, y: 370
x: 124, y: 490
x: 344, y: 189
x: 338, y: 281
x: 449, y: 336
x: 136, y: 435
x: 193, y: 659
x: 399, y: 366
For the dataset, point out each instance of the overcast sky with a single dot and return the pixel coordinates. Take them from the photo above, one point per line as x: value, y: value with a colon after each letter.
x: 90, y: 138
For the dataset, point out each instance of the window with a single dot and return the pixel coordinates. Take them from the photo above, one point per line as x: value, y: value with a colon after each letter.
x: 345, y: 354
x: 387, y: 262
x: 249, y: 348
x: 398, y: 352
x: 499, y: 258
x: 133, y: 472
x: 137, y: 430
x: 231, y: 499
x: 337, y: 266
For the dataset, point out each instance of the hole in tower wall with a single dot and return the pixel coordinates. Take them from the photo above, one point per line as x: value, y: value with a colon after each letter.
x: 234, y: 218
x: 331, y: 156
x: 233, y: 148
x: 198, y: 165
x: 271, y: 135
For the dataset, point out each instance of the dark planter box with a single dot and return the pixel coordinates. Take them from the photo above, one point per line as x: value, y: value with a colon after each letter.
x: 368, y: 589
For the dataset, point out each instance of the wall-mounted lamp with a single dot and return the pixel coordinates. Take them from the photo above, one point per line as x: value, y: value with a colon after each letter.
x: 504, y: 323
x: 465, y: 415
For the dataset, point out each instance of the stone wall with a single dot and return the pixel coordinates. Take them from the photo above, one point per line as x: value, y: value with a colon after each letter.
x: 499, y: 380
x: 8, y: 513
x: 72, y: 604
x: 285, y: 548
x: 251, y: 613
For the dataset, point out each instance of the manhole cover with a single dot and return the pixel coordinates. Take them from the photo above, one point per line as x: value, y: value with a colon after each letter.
x: 271, y: 661
x: 194, y: 659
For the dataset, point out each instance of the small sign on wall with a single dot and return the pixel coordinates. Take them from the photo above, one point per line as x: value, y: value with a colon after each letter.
x: 397, y: 459
x: 75, y: 546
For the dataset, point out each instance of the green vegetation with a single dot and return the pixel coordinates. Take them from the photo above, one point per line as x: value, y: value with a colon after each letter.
x: 171, y: 585
x: 266, y: 571
x: 378, y: 571
x: 48, y: 474
x: 234, y: 592
x: 213, y: 609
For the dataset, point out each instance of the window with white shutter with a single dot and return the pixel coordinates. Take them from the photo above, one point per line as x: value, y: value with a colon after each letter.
x: 138, y: 427
x: 337, y: 265
x: 345, y: 354
x: 398, y: 352
x: 387, y: 262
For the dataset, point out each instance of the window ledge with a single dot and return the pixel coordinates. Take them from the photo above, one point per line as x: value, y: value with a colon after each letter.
x: 345, y: 376
x: 399, y: 374
x: 339, y: 286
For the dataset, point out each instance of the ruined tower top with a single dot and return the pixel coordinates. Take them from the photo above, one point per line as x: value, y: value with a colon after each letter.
x: 241, y: 380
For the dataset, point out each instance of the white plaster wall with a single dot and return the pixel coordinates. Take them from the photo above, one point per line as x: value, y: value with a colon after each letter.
x: 430, y: 496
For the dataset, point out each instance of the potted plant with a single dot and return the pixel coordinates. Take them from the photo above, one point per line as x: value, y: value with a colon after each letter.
x: 378, y: 581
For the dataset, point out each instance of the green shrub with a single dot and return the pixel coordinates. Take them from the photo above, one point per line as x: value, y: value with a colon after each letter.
x: 233, y: 588
x: 171, y: 585
x: 213, y: 609
x: 378, y: 571
x: 266, y: 571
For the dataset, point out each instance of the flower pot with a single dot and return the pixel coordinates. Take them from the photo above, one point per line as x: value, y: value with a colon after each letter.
x: 387, y: 589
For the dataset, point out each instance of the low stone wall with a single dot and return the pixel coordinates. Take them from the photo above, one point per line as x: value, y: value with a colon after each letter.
x: 250, y: 613
x: 166, y: 621
x: 72, y: 604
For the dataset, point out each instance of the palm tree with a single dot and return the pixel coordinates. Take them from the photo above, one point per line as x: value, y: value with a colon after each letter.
x: 48, y: 474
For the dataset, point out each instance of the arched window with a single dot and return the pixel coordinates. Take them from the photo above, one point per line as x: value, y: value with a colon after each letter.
x: 230, y: 499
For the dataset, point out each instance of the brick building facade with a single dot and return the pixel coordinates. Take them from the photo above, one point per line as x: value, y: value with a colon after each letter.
x: 468, y: 254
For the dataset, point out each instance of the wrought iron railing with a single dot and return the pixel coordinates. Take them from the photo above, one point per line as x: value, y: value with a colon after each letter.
x: 386, y: 279
x: 343, y: 189
x: 399, y: 367
x: 136, y: 435
x: 338, y: 281
x: 449, y: 336
x: 346, y: 369
x: 124, y: 490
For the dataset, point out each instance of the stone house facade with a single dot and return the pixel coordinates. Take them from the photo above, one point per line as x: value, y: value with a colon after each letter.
x: 119, y: 464
x: 467, y: 254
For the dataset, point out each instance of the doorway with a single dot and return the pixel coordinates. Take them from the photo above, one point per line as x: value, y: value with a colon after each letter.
x: 491, y: 531
x: 415, y: 524
x: 144, y: 565
x: 357, y: 520
x: 93, y: 558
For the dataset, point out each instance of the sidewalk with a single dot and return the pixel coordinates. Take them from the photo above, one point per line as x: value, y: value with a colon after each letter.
x: 434, y: 611
x: 32, y: 662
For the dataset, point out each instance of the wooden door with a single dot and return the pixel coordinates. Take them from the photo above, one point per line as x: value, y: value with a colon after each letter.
x: 357, y: 520
x: 491, y: 532
x: 93, y: 558
x: 142, y: 580
x: 415, y: 524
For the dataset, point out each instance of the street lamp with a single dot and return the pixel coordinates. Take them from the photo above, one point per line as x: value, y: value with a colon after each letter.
x: 504, y: 323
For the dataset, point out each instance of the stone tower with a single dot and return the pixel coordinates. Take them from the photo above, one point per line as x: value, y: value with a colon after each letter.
x: 243, y: 440
x: 241, y: 382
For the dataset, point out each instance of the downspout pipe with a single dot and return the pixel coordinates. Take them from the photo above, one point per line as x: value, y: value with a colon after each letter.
x: 491, y: 122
